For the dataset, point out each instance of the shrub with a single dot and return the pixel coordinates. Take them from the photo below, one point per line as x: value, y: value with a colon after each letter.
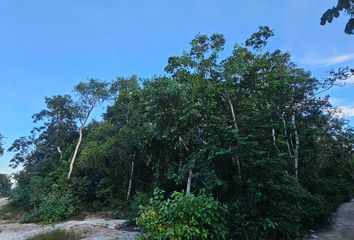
x: 56, y: 235
x: 56, y: 206
x: 138, y: 199
x: 183, y: 216
x: 8, y: 212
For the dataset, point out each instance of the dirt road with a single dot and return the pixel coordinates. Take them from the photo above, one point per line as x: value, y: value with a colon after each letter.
x: 342, y: 227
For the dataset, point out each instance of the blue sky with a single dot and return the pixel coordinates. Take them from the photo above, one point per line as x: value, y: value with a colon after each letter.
x: 46, y: 47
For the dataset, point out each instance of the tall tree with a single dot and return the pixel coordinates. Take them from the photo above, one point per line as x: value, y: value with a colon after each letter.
x: 90, y: 94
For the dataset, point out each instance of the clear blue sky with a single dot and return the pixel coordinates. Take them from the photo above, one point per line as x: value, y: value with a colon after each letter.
x: 46, y: 47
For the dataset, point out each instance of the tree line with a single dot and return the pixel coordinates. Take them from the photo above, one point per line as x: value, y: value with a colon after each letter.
x: 252, y: 130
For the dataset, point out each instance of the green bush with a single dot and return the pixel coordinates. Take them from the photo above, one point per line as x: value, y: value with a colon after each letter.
x: 8, y: 212
x: 138, y: 200
x: 56, y: 206
x: 56, y: 235
x: 183, y: 216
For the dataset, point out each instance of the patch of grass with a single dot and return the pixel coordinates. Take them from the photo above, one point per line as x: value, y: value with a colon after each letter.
x: 56, y: 235
x: 8, y: 212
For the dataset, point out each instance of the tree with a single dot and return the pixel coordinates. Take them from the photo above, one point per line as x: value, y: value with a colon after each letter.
x: 343, y: 6
x: 59, y: 123
x: 48, y: 140
x: 251, y: 129
x: 90, y: 94
x: 5, y: 185
x: 1, y: 145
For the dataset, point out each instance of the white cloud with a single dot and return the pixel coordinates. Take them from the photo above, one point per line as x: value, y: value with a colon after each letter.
x: 326, y: 61
x: 350, y: 80
x: 347, y: 111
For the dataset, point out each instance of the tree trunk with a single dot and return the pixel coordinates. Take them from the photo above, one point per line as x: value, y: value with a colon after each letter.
x: 232, y: 110
x: 297, y: 143
x: 189, y: 182
x: 60, y: 153
x: 131, y: 177
x: 75, y: 153
x: 286, y: 136
x: 274, y: 137
x: 235, y: 158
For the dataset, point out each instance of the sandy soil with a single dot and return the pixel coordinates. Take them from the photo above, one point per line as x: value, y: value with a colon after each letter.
x: 90, y: 229
x: 342, y: 227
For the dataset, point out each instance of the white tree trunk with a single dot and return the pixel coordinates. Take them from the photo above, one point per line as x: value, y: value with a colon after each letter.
x: 83, y: 123
x: 189, y: 182
x: 130, y: 181
x: 286, y: 136
x: 274, y: 137
x: 296, y: 149
x: 75, y: 153
x: 131, y: 177
x: 232, y: 112
x: 60, y: 153
x: 235, y: 158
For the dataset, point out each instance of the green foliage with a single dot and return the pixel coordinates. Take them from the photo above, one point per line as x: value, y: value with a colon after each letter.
x: 5, y: 185
x: 273, y: 205
x: 54, y: 206
x: 139, y: 199
x: 8, y: 212
x: 90, y: 94
x: 346, y: 6
x: 183, y: 216
x: 57, y: 234
x: 236, y: 127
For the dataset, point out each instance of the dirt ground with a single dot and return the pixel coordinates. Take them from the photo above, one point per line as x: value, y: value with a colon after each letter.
x: 89, y: 228
x: 342, y: 227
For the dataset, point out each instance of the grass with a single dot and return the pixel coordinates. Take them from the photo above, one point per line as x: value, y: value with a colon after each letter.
x: 56, y: 235
x: 8, y: 213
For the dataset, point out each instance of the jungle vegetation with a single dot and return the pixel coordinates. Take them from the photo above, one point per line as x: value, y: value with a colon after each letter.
x: 244, y: 146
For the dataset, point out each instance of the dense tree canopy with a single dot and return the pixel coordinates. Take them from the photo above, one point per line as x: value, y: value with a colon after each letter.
x: 251, y: 129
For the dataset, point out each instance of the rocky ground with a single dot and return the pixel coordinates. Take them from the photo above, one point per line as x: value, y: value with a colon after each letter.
x: 89, y: 228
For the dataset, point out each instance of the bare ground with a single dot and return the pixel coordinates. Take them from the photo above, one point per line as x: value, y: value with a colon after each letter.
x: 342, y: 227
x: 89, y: 228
